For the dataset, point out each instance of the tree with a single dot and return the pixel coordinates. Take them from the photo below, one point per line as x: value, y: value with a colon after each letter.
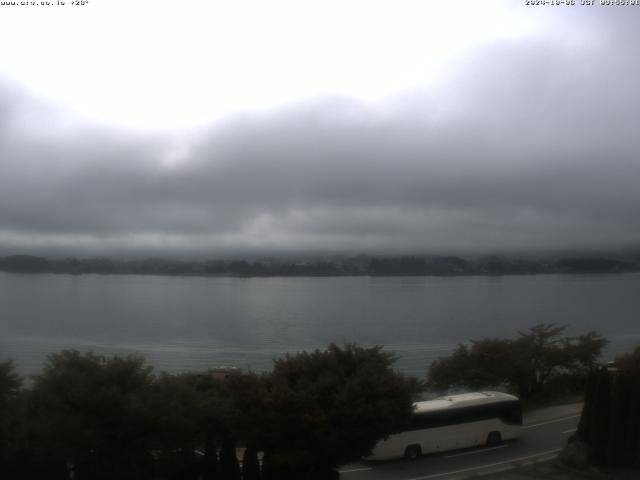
x: 239, y: 405
x: 210, y: 467
x: 111, y: 418
x: 628, y: 362
x: 91, y: 412
x: 609, y: 426
x: 543, y: 355
x: 529, y: 365
x: 485, y: 363
x: 329, y: 407
x: 250, y: 463
x: 229, y: 467
x: 176, y: 430
x: 10, y: 386
x: 10, y: 381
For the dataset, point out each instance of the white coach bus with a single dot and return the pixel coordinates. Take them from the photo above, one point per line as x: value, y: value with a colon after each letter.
x: 452, y: 422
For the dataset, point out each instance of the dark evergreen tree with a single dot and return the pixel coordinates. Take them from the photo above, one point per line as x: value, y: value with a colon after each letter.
x: 229, y: 467
x: 610, y: 422
x: 10, y: 384
x: 210, y: 465
x: 250, y: 463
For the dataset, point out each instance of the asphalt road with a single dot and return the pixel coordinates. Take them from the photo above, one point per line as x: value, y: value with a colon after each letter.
x: 544, y: 434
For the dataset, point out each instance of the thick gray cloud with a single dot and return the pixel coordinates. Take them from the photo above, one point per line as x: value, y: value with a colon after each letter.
x: 527, y: 144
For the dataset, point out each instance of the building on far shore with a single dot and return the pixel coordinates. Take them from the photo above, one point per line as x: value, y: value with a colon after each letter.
x: 220, y: 373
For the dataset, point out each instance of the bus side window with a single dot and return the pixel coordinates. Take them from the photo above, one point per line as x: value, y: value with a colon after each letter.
x: 512, y: 415
x: 420, y: 422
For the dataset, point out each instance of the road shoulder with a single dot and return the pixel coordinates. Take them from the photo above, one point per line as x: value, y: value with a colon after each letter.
x: 554, y: 412
x: 556, y: 470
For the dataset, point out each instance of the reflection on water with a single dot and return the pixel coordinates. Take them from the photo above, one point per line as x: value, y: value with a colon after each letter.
x: 182, y: 323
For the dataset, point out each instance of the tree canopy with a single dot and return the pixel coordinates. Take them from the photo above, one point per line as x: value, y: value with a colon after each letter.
x: 609, y: 428
x: 329, y: 407
x: 10, y: 385
x: 89, y: 416
x: 530, y: 365
x: 91, y: 411
x: 10, y: 381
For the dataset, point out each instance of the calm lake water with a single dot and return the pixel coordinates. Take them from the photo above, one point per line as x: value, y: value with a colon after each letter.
x: 185, y: 323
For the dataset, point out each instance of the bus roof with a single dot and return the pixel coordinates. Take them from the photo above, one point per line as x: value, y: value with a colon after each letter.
x: 462, y: 400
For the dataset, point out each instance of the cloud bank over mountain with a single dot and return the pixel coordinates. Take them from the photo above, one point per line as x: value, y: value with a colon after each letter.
x: 528, y: 143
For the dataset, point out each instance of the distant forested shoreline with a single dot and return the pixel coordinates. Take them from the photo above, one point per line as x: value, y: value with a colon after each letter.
x: 405, y: 265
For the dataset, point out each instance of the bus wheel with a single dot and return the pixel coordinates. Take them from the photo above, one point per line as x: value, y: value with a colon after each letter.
x: 494, y: 438
x: 412, y: 452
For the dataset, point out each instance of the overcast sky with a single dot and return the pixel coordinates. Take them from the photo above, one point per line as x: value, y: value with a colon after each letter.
x: 362, y: 126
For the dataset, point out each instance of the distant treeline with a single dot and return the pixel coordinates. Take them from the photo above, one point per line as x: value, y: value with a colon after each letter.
x: 343, y: 266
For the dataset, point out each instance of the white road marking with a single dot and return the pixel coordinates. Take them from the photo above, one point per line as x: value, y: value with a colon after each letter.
x: 351, y: 470
x: 569, y: 431
x: 551, y: 421
x: 513, y: 460
x: 476, y: 451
